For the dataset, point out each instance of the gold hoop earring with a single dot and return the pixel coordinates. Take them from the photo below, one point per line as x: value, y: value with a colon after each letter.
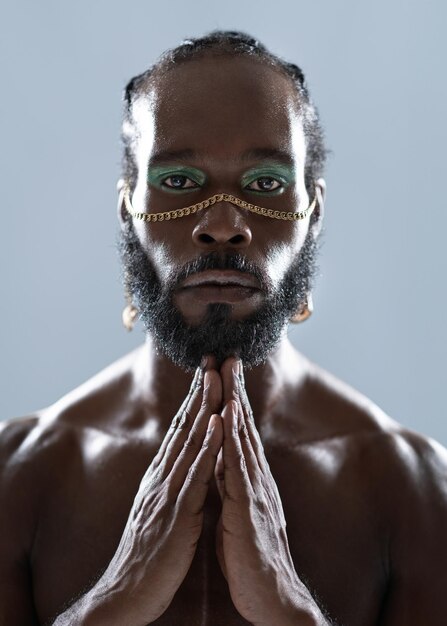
x: 130, y: 311
x: 304, y: 311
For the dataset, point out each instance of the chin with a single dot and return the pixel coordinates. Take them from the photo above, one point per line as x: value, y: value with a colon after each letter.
x: 218, y: 334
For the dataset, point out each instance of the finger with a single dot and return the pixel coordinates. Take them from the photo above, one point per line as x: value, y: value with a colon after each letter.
x: 253, y: 468
x: 236, y: 479
x: 248, y: 419
x: 190, y: 448
x: 229, y: 372
x: 250, y: 457
x: 182, y: 419
x: 209, y: 362
x: 256, y: 442
x: 192, y: 495
x: 181, y: 425
x: 232, y: 391
x: 219, y: 475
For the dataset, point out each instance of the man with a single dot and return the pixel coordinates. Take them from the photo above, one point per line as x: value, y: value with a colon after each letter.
x: 119, y: 508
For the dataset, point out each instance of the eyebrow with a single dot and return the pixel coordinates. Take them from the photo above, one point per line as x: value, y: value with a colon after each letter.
x: 265, y: 154
x: 258, y: 154
x: 168, y: 156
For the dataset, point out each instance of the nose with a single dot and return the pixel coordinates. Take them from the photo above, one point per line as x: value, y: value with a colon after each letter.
x: 221, y: 225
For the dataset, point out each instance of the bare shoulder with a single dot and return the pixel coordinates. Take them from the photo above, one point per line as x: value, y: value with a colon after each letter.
x: 326, y: 416
x: 29, y: 451
x: 32, y: 446
x: 364, y: 437
x: 24, y: 443
x: 378, y: 477
x: 100, y: 402
x: 58, y: 446
x: 401, y: 475
x: 13, y: 432
x: 19, y: 503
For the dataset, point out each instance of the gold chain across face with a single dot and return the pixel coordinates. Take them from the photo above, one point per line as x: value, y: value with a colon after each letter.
x: 218, y: 197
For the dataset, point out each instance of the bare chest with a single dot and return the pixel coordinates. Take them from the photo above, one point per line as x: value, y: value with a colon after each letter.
x: 334, y: 545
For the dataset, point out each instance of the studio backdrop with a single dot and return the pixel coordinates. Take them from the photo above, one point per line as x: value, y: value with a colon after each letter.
x: 376, y: 72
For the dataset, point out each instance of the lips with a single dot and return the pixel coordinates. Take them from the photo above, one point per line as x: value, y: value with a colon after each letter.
x: 241, y: 290
x: 221, y: 279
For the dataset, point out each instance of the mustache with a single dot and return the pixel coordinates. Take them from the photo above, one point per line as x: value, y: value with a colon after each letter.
x: 218, y: 261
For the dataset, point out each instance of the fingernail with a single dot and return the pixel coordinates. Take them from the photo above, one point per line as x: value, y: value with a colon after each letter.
x: 203, y: 362
x: 206, y: 380
x: 211, y: 425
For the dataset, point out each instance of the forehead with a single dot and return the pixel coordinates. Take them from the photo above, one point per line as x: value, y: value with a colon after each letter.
x: 220, y: 106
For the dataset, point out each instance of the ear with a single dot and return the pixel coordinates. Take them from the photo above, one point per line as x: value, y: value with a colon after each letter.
x: 320, y: 193
x: 123, y: 215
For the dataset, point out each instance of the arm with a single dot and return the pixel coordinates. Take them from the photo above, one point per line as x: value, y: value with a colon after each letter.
x: 417, y: 592
x: 252, y: 545
x: 162, y: 530
x: 165, y: 522
x: 17, y: 518
x: 16, y: 598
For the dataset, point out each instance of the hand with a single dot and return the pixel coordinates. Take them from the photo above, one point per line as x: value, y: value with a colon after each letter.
x: 165, y: 522
x: 252, y: 544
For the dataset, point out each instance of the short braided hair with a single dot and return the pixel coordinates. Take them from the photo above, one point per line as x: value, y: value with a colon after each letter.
x: 228, y: 43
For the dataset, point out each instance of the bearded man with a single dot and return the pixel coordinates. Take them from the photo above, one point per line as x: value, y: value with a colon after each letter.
x: 119, y: 508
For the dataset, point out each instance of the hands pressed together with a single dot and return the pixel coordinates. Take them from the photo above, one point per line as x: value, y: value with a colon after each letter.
x: 252, y: 544
x: 213, y: 436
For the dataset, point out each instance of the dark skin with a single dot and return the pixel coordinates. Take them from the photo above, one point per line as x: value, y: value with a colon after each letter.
x: 132, y: 511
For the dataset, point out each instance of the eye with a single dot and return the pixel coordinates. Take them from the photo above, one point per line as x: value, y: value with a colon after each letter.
x: 179, y: 181
x: 264, y: 183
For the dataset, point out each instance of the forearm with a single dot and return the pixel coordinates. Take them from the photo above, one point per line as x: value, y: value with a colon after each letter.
x: 302, y: 617
x: 106, y: 604
x: 95, y: 608
x: 306, y: 617
x: 298, y: 608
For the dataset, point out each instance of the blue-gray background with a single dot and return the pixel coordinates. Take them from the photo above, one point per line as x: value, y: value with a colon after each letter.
x: 376, y: 71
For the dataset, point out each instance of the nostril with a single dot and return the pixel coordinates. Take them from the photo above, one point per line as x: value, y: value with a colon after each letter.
x: 221, y: 228
x: 204, y: 238
x: 237, y: 239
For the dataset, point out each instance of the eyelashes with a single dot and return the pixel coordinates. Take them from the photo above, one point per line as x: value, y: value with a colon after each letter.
x: 267, y: 184
x: 260, y: 181
x: 176, y: 180
x: 263, y: 184
x: 179, y: 182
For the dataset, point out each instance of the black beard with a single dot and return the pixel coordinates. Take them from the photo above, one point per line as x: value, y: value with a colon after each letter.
x: 251, y: 339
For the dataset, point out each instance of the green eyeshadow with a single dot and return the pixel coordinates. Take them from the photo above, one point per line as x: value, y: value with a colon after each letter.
x: 159, y: 173
x: 284, y: 174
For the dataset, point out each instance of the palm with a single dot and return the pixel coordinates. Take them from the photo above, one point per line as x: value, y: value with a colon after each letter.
x: 252, y: 545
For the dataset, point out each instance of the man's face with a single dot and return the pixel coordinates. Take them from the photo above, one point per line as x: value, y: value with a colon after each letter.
x: 224, y: 280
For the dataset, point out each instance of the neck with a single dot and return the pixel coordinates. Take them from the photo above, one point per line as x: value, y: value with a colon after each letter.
x: 162, y: 385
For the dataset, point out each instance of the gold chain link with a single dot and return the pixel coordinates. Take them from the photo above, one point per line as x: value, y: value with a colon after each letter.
x: 218, y: 197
